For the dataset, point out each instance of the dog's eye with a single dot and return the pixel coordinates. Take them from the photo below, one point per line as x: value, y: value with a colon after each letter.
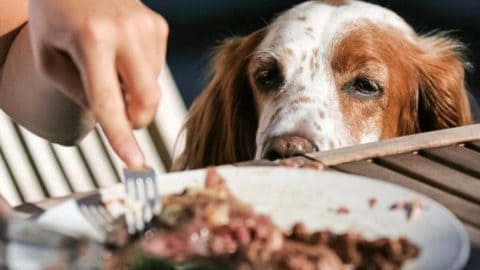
x: 269, y: 78
x: 364, y: 87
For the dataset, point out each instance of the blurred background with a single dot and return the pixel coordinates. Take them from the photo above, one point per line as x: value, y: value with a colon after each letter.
x: 198, y: 26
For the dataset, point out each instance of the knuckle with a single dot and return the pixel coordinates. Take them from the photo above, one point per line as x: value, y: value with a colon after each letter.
x: 148, y: 23
x: 139, y: 118
x: 92, y: 31
x: 143, y: 111
x: 125, y: 23
x: 162, y: 25
x: 154, y: 98
x: 148, y: 103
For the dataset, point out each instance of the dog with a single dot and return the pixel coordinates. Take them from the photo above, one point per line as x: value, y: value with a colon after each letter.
x: 324, y: 75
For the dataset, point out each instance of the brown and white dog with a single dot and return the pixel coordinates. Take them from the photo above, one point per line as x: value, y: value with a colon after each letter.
x: 325, y: 74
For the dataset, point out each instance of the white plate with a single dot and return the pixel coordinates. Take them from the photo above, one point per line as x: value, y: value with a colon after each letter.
x: 292, y: 195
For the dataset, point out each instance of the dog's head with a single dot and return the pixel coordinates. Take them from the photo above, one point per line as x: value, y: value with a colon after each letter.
x: 323, y: 75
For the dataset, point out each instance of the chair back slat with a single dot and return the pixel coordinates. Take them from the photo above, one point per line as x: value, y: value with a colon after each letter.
x: 17, y: 160
x: 76, y: 171
x: 148, y: 147
x: 170, y: 117
x: 50, y: 173
x: 97, y: 160
x: 116, y: 162
x: 8, y: 186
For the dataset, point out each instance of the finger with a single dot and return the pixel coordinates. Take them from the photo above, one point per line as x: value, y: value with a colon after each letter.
x: 159, y: 52
x: 106, y: 101
x: 140, y: 81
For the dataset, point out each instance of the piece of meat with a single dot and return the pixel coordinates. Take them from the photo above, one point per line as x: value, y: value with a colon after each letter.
x: 372, y: 202
x: 412, y: 208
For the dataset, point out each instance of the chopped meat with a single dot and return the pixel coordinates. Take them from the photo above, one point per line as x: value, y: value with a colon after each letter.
x: 372, y: 202
x: 397, y: 205
x: 211, y: 224
x: 412, y: 208
x: 343, y: 210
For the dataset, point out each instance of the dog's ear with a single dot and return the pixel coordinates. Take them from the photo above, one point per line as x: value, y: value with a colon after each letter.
x: 222, y: 122
x: 442, y: 97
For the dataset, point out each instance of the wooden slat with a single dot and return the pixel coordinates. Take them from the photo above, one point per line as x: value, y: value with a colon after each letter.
x: 434, y: 174
x: 399, y: 145
x: 465, y: 210
x: 460, y: 158
x: 474, y: 145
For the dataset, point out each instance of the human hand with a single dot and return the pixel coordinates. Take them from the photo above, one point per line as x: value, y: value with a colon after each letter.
x: 106, y: 55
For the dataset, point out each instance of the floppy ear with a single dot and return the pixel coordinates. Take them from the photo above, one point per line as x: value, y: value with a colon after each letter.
x: 442, y: 97
x: 222, y: 122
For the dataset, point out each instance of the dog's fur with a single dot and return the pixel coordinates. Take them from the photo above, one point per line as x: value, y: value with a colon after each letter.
x: 344, y: 72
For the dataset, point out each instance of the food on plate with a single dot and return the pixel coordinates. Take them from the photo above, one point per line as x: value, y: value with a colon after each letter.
x: 211, y: 225
x: 343, y: 210
x: 372, y: 202
x: 412, y: 208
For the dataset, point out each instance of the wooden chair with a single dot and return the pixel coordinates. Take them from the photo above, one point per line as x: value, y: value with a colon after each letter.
x: 32, y: 169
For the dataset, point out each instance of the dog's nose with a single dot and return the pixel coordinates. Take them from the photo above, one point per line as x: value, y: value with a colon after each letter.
x: 287, y: 146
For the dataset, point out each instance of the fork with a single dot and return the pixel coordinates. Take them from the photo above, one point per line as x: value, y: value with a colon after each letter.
x: 103, y: 222
x: 142, y: 199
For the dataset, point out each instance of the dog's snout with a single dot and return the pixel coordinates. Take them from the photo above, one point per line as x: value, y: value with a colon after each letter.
x: 287, y: 146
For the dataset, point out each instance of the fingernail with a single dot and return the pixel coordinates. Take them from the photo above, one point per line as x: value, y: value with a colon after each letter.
x: 134, y: 157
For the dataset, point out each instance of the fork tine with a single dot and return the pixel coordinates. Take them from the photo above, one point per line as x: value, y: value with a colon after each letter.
x: 88, y: 211
x: 139, y: 195
x: 142, y: 202
x: 147, y: 212
x: 157, y: 201
x: 129, y: 211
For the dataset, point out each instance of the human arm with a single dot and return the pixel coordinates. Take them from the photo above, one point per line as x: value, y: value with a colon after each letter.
x: 114, y: 49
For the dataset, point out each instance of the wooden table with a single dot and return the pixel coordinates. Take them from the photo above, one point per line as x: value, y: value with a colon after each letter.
x: 444, y: 165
